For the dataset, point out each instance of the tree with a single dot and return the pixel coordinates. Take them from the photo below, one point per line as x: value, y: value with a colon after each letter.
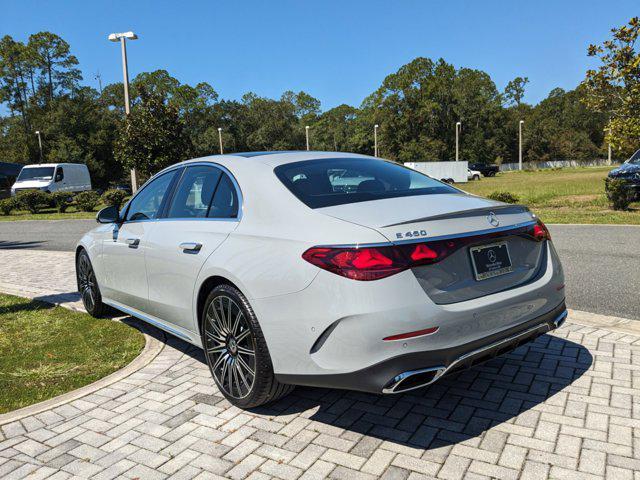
x: 614, y: 87
x: 152, y: 136
x: 514, y: 91
x: 52, y: 55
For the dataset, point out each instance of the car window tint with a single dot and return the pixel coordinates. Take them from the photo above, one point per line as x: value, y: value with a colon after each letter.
x: 194, y: 192
x: 225, y: 200
x: 146, y: 204
x: 338, y: 181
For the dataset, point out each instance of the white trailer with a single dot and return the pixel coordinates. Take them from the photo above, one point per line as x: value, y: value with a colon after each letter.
x: 447, y: 171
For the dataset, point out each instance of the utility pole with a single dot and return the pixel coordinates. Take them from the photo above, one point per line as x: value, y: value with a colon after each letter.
x: 99, y: 78
x: 520, y: 144
x: 458, y: 130
x: 122, y: 38
x: 220, y: 139
x: 306, y: 131
x: 609, y: 146
x: 375, y: 140
x: 39, y: 143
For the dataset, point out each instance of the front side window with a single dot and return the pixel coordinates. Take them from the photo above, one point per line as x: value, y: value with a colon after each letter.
x: 146, y: 204
x: 635, y: 158
x: 59, y: 174
x: 339, y: 181
x: 225, y: 200
x: 36, y: 173
x: 194, y: 192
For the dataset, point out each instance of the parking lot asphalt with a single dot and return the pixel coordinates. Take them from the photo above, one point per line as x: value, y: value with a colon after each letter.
x: 601, y: 262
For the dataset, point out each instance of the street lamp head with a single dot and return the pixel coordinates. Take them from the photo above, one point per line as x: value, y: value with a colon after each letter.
x: 219, y: 129
x: 115, y: 37
x: 521, y: 122
x: 37, y: 132
x: 375, y: 126
x: 458, y: 124
x: 306, y: 127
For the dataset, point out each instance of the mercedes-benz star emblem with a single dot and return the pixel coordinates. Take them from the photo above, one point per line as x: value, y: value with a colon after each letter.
x: 493, y: 219
x: 492, y: 256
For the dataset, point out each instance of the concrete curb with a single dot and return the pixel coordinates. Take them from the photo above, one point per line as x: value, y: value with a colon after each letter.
x: 614, y: 324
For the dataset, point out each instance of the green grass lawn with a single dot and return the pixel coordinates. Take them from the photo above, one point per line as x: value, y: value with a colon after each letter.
x: 571, y: 195
x: 46, y: 351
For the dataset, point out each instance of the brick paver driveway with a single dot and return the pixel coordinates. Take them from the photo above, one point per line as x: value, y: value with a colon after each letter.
x: 567, y: 406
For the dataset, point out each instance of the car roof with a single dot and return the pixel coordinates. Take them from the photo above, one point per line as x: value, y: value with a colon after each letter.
x: 273, y: 159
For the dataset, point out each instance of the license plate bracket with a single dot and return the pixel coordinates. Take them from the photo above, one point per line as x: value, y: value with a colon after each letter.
x: 490, y: 260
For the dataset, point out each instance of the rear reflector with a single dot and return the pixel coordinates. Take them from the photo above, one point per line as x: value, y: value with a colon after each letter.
x: 417, y: 333
x: 374, y: 263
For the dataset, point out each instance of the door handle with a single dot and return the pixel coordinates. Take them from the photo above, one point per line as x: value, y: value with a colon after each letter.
x: 190, y: 247
x: 133, y: 242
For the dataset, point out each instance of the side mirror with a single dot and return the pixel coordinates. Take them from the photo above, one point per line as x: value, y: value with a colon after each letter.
x: 108, y: 215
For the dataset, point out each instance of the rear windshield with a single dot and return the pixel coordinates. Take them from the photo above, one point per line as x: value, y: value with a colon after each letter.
x: 338, y: 181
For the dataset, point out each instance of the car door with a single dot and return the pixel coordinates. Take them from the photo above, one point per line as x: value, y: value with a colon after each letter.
x: 124, y: 250
x: 203, y: 211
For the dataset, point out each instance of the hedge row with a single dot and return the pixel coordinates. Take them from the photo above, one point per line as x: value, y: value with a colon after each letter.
x: 35, y: 200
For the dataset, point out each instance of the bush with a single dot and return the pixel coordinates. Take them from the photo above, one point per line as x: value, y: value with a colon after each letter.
x: 7, y: 205
x: 33, y: 200
x: 87, y: 201
x: 114, y: 198
x: 506, y: 197
x: 618, y: 194
x: 62, y: 200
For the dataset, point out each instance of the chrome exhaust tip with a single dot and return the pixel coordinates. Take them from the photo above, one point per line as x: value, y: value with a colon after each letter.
x: 560, y: 319
x: 413, y: 379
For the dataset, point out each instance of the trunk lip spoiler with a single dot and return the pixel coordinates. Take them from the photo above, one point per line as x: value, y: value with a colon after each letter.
x: 472, y: 212
x: 473, y: 233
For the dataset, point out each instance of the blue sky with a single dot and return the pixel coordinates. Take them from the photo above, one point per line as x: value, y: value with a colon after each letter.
x: 337, y: 51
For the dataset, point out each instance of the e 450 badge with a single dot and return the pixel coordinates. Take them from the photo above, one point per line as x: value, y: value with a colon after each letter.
x: 412, y: 234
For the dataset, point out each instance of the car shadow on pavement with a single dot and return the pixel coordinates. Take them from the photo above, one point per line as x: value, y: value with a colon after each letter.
x: 504, y: 390
x: 8, y: 245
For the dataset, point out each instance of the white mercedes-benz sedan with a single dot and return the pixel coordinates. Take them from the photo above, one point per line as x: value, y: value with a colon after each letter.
x: 323, y: 269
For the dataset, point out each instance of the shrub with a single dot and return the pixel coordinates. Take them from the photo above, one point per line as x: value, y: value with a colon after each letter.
x: 32, y: 200
x: 62, y: 200
x: 506, y: 197
x: 87, y: 201
x: 114, y: 198
x: 618, y: 194
x: 7, y: 205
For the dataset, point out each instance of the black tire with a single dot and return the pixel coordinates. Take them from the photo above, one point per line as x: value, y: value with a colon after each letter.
x: 476, y: 177
x: 235, y: 348
x: 88, y: 286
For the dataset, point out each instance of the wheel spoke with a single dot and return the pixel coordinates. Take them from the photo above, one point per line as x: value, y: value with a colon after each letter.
x: 243, y: 335
x: 245, y: 366
x: 246, y: 351
x: 240, y: 373
x: 236, y: 323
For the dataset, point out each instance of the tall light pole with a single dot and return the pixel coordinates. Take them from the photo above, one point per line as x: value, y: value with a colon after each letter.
x: 306, y: 132
x: 122, y: 38
x: 39, y: 143
x: 458, y: 129
x: 520, y: 144
x: 609, y: 146
x: 220, y: 139
x: 375, y: 140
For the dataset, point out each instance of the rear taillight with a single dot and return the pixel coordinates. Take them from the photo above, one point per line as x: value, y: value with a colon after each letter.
x: 541, y: 232
x: 373, y: 263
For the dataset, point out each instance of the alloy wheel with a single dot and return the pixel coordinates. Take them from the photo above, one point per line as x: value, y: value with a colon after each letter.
x: 87, y: 283
x: 230, y: 347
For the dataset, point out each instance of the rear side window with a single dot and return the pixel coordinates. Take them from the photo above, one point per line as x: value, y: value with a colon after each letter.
x: 194, y: 192
x: 338, y: 181
x: 225, y: 200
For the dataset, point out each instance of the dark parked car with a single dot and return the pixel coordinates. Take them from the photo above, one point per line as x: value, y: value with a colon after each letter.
x: 8, y: 174
x: 630, y: 172
x: 486, y: 169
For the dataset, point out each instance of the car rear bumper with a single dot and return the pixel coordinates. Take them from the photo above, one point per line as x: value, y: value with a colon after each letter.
x: 418, y: 369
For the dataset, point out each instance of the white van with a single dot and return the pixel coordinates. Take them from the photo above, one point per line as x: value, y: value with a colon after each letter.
x: 53, y: 177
